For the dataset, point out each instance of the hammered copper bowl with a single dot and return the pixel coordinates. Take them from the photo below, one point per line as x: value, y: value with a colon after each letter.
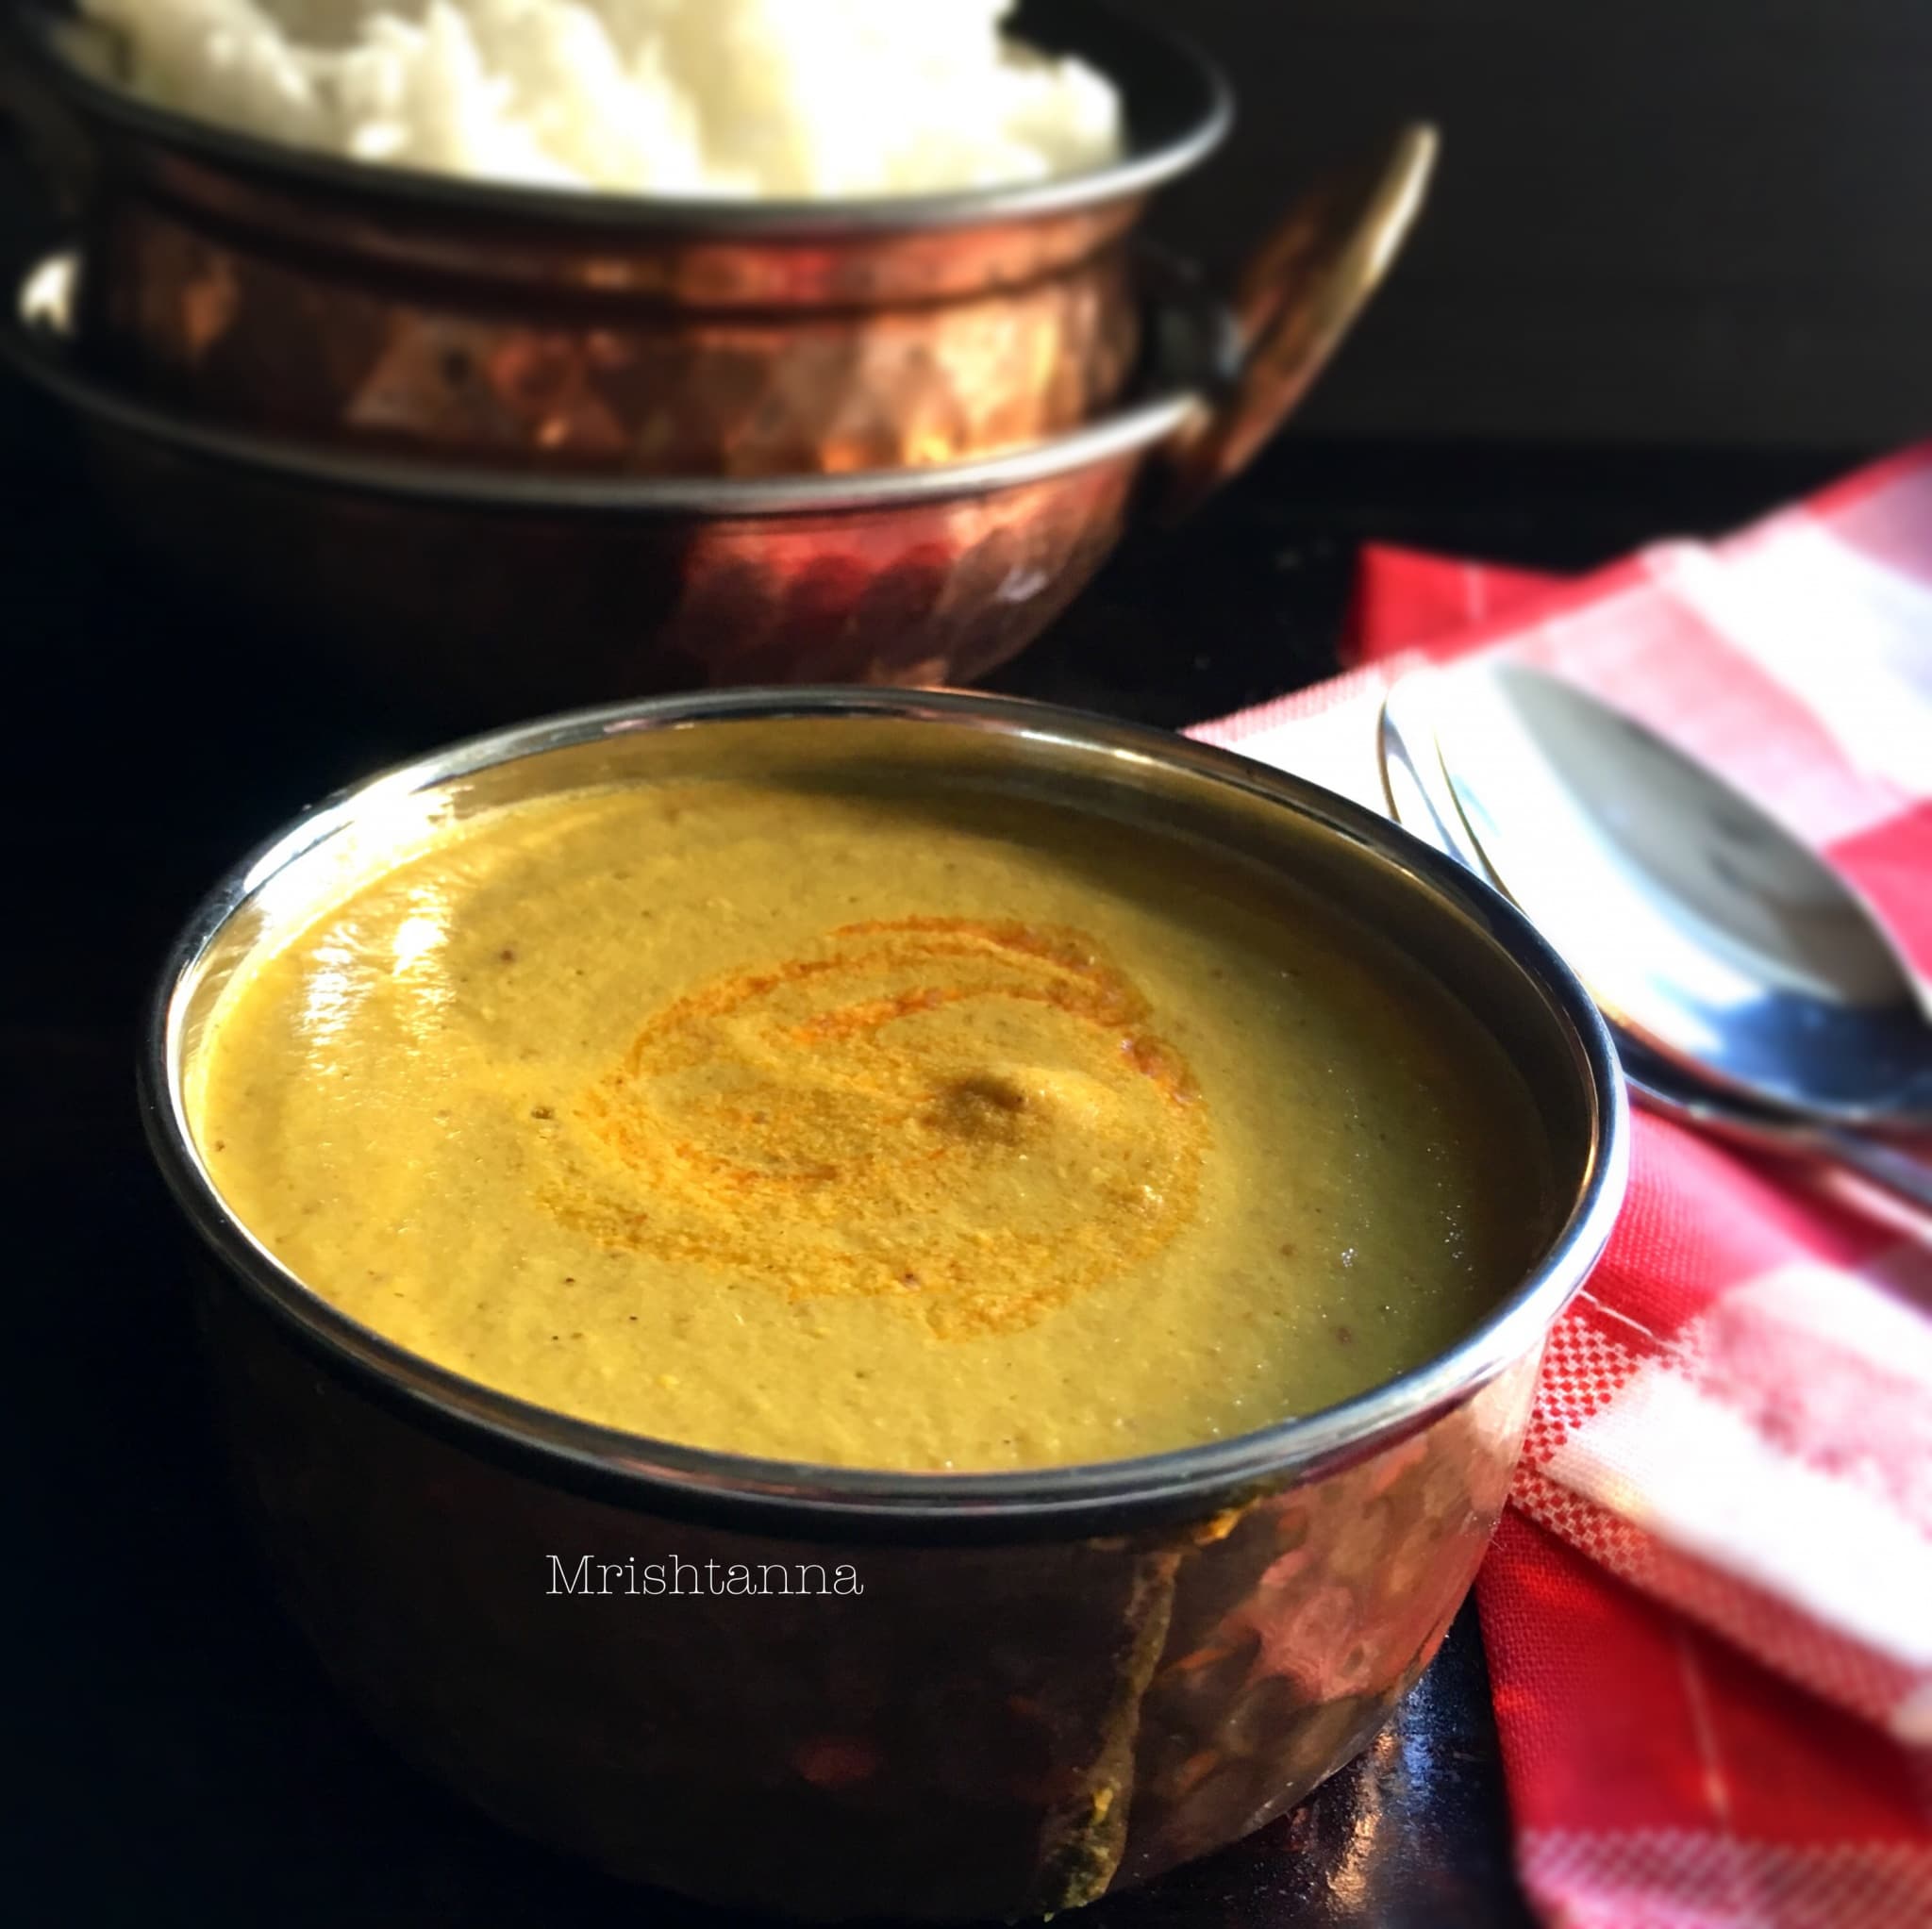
x: 269, y: 288
x: 480, y: 595
x: 1054, y: 1683
x: 486, y: 593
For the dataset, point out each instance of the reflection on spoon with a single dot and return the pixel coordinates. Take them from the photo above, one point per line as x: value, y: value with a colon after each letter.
x: 1424, y: 802
x: 1700, y: 924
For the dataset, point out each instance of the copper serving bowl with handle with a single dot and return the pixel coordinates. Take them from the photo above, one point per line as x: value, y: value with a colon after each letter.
x: 266, y: 287
x: 491, y: 592
x: 1054, y: 1683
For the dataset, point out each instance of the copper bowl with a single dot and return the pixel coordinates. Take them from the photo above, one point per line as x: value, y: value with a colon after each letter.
x: 489, y: 592
x: 1054, y: 1683
x: 266, y: 287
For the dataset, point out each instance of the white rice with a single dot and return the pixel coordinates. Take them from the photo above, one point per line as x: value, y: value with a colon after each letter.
x: 792, y: 98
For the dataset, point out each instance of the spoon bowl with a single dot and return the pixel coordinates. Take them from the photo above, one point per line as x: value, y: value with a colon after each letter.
x: 1424, y: 802
x: 1702, y: 926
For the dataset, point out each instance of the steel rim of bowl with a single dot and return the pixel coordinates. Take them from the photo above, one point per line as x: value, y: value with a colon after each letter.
x: 814, y: 1499
x: 39, y: 351
x: 1137, y: 172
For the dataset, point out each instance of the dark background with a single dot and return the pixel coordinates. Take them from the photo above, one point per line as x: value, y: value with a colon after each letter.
x: 1683, y: 221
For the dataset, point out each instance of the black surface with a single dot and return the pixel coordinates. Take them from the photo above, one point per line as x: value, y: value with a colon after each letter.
x: 185, y: 1760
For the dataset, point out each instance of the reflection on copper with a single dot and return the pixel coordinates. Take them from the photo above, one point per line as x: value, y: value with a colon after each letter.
x: 645, y: 354
x: 1286, y: 1653
x: 488, y: 617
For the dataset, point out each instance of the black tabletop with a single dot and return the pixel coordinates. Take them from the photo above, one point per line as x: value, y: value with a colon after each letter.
x: 184, y: 1758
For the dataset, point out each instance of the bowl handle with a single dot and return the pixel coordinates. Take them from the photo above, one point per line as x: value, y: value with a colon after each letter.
x: 1298, y: 296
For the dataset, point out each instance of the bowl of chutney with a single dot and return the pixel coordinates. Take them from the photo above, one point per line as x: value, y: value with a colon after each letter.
x: 875, y: 1303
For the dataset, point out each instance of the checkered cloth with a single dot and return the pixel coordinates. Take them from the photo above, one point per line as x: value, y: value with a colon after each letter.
x: 1710, y: 1609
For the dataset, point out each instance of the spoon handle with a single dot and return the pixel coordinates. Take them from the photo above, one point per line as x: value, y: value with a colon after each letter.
x: 1888, y: 1167
x: 1884, y: 1167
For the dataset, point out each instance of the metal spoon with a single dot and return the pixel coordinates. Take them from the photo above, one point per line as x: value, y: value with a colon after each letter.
x: 1698, y: 921
x: 1426, y: 802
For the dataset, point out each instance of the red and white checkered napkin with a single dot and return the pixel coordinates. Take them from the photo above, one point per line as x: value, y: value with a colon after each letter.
x: 1710, y: 1609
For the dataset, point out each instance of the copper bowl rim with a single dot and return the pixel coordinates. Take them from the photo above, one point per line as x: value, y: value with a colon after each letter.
x: 1200, y: 102
x: 38, y: 343
x: 812, y: 1501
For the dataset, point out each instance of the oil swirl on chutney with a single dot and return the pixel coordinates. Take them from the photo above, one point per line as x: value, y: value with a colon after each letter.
x: 974, y: 1120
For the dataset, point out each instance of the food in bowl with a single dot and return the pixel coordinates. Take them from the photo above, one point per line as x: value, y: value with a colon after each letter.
x: 1056, y: 1683
x: 850, y: 1118
x: 790, y: 99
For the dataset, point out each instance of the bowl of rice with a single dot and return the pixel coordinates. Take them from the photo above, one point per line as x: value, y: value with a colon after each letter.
x: 739, y: 238
x: 389, y: 329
